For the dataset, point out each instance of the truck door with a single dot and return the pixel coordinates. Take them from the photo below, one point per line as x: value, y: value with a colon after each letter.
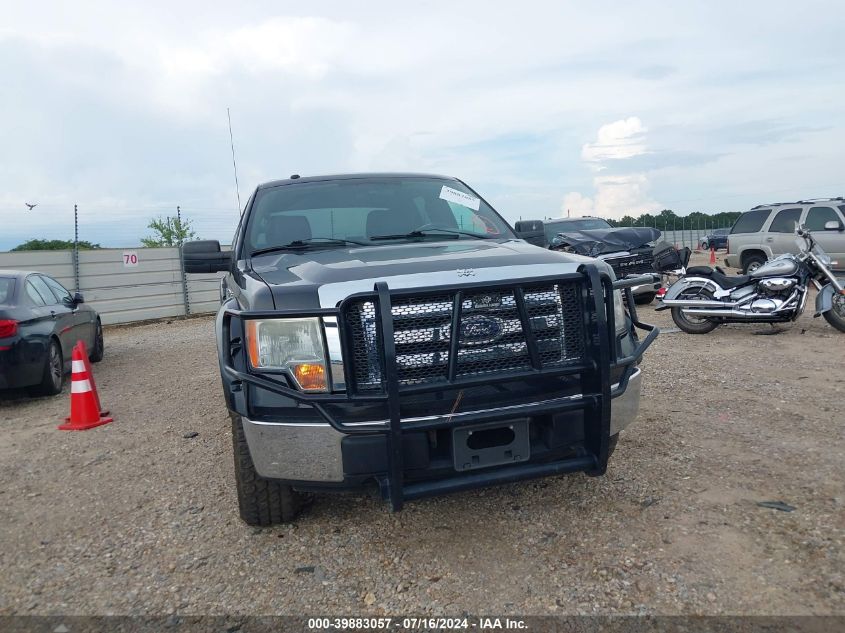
x: 780, y: 237
x: 833, y: 242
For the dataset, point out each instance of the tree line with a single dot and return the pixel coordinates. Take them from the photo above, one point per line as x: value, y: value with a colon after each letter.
x: 667, y: 220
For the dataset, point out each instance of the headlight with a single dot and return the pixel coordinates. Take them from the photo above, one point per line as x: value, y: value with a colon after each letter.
x: 293, y: 345
x: 619, y: 312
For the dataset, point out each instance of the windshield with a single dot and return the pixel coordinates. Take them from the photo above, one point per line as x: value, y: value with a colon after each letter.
x: 361, y: 209
x: 583, y: 224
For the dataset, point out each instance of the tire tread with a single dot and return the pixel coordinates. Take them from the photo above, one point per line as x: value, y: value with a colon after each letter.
x: 262, y: 502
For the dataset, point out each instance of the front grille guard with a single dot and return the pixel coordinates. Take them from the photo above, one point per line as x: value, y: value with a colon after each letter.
x: 600, y: 355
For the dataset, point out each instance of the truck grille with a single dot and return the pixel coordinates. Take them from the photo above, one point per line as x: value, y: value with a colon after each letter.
x: 491, y: 338
x: 627, y: 264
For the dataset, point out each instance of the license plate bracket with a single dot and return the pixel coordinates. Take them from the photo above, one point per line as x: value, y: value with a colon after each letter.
x: 491, y: 444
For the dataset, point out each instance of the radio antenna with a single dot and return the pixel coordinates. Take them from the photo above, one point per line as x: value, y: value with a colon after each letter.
x: 234, y: 163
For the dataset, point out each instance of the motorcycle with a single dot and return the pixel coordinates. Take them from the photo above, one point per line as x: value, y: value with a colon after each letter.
x: 704, y: 298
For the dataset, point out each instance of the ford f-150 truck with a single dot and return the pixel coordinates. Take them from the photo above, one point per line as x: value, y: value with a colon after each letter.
x: 391, y: 330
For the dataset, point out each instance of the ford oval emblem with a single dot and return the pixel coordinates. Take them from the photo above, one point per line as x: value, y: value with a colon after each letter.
x: 478, y: 330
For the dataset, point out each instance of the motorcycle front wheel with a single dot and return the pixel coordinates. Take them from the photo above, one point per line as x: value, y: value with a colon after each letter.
x: 836, y: 315
x: 690, y: 324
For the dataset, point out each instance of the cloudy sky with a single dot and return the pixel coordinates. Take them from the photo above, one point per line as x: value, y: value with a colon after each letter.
x: 593, y: 107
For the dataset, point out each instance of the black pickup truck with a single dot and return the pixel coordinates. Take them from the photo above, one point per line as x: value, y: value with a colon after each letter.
x: 392, y: 330
x: 628, y: 250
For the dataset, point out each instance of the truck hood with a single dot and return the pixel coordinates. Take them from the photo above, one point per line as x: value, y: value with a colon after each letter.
x: 600, y: 241
x: 323, y: 278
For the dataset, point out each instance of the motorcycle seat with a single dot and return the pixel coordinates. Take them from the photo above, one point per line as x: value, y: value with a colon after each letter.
x: 725, y: 281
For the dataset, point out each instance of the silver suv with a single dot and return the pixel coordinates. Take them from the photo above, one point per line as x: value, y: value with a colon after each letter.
x: 768, y: 230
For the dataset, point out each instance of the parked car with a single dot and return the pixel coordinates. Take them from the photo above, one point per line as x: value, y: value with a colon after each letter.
x: 717, y: 238
x: 768, y: 230
x: 628, y: 250
x: 40, y: 322
x: 392, y: 330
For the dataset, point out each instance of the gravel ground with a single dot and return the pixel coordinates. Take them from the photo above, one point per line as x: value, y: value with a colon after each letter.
x: 135, y: 518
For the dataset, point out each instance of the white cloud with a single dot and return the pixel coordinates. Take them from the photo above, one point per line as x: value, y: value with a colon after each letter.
x: 575, y: 204
x: 615, y: 195
x: 620, y: 195
x: 617, y: 140
x: 301, y: 46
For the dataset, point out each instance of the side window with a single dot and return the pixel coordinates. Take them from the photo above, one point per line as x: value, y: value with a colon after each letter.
x: 552, y: 229
x: 817, y: 217
x: 751, y: 221
x: 7, y: 289
x: 58, y: 289
x: 33, y: 295
x: 785, y: 221
x: 43, y: 289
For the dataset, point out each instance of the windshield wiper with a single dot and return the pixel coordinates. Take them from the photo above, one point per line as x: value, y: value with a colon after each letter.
x: 306, y: 243
x: 427, y: 232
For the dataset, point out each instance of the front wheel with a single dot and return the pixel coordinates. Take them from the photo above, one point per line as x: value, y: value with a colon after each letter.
x: 261, y: 501
x: 836, y: 315
x: 692, y: 324
x: 705, y: 246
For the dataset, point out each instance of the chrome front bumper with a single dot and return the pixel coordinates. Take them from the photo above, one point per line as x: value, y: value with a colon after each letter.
x: 312, y: 452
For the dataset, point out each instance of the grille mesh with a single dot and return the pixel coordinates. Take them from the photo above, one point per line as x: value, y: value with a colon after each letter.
x: 631, y: 264
x: 491, y: 335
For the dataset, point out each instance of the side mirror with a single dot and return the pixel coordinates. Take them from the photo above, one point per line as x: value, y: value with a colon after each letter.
x: 78, y: 298
x: 833, y: 225
x: 205, y: 256
x: 531, y: 231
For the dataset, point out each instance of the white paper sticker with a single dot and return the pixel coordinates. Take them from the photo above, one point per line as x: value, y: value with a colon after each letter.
x: 130, y: 259
x: 459, y: 197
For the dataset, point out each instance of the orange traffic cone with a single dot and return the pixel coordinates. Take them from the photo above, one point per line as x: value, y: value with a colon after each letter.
x: 712, y: 255
x: 80, y: 348
x: 85, y: 411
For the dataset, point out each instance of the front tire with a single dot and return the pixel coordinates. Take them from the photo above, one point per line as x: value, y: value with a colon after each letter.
x: 53, y: 376
x: 836, y: 315
x: 705, y: 246
x: 261, y: 502
x: 694, y: 325
x: 98, y: 349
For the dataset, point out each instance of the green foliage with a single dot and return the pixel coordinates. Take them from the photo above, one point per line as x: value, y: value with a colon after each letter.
x: 168, y: 231
x: 54, y: 245
x: 666, y: 220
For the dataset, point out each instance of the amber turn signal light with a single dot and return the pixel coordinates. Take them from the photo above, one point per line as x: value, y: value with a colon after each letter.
x: 310, y: 376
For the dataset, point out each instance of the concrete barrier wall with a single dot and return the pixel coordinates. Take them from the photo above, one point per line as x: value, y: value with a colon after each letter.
x: 147, y: 288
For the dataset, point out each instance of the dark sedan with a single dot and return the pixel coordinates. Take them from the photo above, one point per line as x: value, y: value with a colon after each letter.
x: 40, y: 322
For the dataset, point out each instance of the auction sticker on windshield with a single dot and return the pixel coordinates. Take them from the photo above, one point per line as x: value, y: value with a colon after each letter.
x: 459, y: 197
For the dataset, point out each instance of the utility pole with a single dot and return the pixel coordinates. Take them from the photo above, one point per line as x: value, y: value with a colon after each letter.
x: 76, y: 247
x: 185, y: 299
